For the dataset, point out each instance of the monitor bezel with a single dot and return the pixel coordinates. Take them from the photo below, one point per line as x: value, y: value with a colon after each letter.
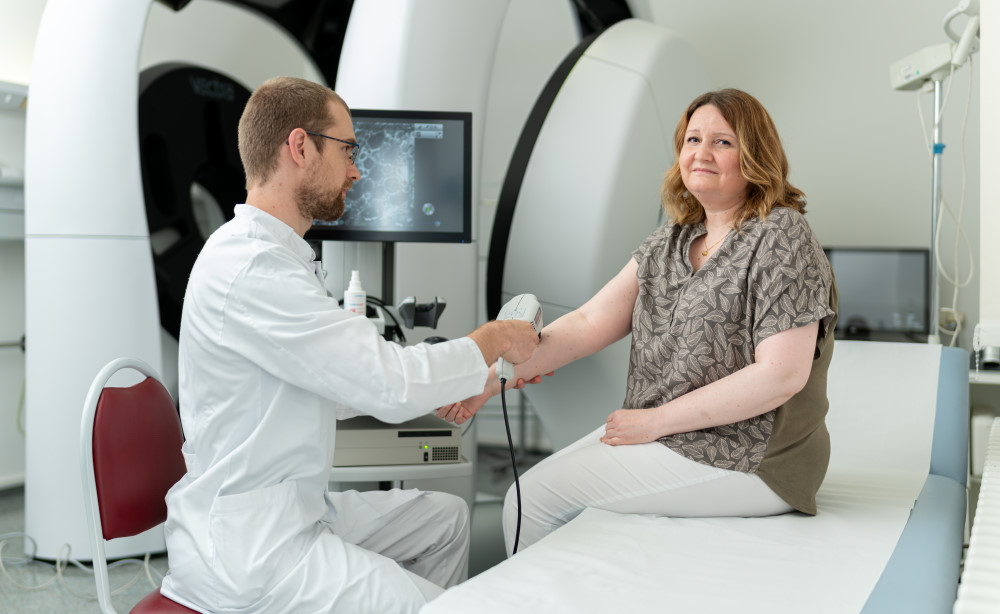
x: 340, y: 233
x: 923, y: 251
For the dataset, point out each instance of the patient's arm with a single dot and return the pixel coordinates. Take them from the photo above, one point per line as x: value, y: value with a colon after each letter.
x: 781, y: 367
x: 604, y: 319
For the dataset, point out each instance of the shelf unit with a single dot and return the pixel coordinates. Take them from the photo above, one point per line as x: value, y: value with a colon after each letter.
x: 13, y: 102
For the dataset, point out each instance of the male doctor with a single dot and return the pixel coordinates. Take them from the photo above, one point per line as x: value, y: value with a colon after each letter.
x: 268, y: 364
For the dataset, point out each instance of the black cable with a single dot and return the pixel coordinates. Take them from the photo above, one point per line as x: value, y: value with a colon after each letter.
x: 513, y: 462
x: 468, y: 425
x: 385, y: 308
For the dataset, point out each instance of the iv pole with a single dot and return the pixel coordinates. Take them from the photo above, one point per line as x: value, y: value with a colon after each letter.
x: 934, y: 64
x: 934, y: 337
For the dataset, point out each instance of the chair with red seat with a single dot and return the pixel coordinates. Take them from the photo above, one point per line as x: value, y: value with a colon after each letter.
x: 130, y: 446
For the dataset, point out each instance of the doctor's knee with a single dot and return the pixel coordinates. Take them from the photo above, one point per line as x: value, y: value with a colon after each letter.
x: 452, y: 510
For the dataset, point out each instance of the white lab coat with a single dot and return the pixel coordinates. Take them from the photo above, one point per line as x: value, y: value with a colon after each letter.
x: 268, y: 363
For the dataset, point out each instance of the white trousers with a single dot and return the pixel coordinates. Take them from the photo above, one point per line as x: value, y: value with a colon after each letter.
x: 426, y: 536
x: 379, y: 552
x: 645, y: 478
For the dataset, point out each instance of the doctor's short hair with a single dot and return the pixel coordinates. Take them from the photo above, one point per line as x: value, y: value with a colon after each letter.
x: 277, y: 107
x: 762, y: 161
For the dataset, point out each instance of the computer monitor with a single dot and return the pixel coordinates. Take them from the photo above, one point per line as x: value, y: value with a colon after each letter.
x: 416, y: 180
x: 881, y: 290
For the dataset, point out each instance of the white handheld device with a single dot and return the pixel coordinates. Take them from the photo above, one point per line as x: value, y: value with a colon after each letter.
x: 522, y: 307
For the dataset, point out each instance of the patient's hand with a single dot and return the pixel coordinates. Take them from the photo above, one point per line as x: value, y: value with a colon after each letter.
x: 456, y: 412
x: 630, y: 426
x: 463, y: 410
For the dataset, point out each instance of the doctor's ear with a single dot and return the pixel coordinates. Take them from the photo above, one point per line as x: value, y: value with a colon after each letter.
x: 296, y: 144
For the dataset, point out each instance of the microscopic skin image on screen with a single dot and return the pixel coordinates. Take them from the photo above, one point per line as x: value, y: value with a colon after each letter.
x: 411, y: 177
x: 384, y: 196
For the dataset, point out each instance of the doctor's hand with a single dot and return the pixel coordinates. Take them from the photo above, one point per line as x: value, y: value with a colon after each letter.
x: 513, y: 340
x: 523, y: 339
x: 630, y: 426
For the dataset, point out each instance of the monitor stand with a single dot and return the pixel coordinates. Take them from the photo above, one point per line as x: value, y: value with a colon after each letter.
x: 388, y: 271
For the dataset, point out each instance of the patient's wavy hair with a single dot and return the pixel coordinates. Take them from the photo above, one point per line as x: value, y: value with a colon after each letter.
x: 277, y: 107
x: 762, y: 161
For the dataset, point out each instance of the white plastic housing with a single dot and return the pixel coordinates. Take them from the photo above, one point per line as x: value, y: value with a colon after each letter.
x: 447, y: 55
x: 489, y: 58
x: 89, y: 288
x: 911, y: 72
x: 590, y: 195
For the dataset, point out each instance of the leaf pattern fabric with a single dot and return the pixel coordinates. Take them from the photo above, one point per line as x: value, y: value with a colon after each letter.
x: 690, y: 329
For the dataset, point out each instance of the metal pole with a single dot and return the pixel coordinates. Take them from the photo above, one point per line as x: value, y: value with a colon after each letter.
x: 938, y: 149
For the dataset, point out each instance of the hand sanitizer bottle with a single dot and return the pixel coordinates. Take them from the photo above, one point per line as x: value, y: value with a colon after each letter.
x: 355, y: 297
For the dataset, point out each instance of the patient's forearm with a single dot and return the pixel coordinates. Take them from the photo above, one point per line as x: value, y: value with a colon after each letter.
x: 601, y: 321
x: 749, y: 392
x: 781, y: 369
x: 782, y: 366
x: 569, y: 338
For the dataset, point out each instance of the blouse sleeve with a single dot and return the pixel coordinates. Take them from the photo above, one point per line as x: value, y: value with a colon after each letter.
x: 791, y: 279
x: 653, y: 242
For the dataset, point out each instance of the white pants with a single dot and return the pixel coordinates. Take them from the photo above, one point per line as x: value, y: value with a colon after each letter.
x: 645, y: 478
x: 379, y: 552
x: 428, y: 536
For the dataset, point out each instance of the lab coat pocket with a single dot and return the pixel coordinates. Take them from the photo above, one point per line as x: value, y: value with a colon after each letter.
x: 259, y: 536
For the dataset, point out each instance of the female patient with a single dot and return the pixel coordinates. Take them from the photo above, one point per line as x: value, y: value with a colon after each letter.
x: 731, y: 306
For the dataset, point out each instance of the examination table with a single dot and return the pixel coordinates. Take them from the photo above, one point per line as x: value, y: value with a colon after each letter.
x: 887, y: 539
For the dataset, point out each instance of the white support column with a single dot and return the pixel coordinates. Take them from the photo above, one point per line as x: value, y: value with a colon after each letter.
x: 89, y: 290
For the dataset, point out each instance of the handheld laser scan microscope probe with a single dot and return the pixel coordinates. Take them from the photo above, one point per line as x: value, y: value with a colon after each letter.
x: 523, y: 307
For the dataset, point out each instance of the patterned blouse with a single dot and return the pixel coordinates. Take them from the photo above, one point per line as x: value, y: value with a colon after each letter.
x: 691, y: 329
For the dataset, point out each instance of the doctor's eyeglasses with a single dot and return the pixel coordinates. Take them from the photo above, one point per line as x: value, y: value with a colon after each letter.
x: 352, y: 153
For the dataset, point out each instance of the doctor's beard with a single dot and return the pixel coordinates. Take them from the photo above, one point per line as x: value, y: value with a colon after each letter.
x: 318, y: 203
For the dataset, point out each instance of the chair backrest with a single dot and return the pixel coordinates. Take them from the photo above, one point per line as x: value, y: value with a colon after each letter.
x: 130, y: 445
x: 137, y: 456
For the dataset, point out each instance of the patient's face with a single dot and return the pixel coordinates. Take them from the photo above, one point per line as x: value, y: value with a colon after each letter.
x: 710, y: 160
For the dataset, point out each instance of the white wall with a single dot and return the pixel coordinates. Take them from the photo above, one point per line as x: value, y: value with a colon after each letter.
x: 18, y: 27
x: 854, y: 144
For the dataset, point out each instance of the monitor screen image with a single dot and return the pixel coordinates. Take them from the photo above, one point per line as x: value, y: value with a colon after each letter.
x: 416, y: 180
x: 881, y: 290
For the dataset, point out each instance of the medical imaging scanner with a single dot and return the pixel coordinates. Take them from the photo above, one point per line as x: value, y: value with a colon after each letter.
x: 581, y: 194
x: 92, y: 271
x: 570, y: 137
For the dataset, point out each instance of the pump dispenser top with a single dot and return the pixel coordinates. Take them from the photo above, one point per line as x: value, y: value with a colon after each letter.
x: 355, y: 297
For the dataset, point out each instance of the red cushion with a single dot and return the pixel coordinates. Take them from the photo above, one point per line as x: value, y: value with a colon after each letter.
x: 155, y: 603
x: 137, y: 456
